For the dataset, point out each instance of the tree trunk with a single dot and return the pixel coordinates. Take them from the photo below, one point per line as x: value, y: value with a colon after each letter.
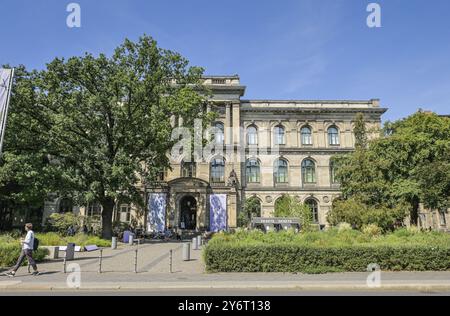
x: 415, y: 212
x: 107, y: 213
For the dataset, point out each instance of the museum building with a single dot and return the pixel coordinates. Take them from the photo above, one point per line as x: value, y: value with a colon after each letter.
x: 277, y: 147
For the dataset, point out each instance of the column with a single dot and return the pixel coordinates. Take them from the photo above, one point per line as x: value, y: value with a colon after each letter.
x: 228, y: 124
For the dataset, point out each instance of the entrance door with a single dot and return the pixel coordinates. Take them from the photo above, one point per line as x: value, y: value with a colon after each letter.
x: 188, y: 209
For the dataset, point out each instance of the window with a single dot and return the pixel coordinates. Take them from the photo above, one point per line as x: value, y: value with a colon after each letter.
x: 94, y: 209
x: 279, y: 135
x: 308, y: 171
x: 161, y: 175
x: 218, y: 81
x: 218, y: 170
x: 312, y: 204
x: 333, y: 179
x: 252, y: 136
x: 333, y: 136
x: 219, y: 133
x: 442, y: 219
x: 125, y: 213
x: 281, y: 171
x: 65, y: 206
x: 253, y: 171
x: 306, y: 136
x: 188, y: 169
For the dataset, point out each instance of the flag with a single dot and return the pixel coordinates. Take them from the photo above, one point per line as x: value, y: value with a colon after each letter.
x: 6, y: 76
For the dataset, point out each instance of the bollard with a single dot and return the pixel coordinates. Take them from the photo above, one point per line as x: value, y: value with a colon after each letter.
x: 131, y: 239
x: 114, y: 243
x: 194, y: 243
x: 65, y: 265
x: 136, y: 261
x: 199, y: 241
x: 100, y: 261
x: 187, y: 251
x: 170, y: 260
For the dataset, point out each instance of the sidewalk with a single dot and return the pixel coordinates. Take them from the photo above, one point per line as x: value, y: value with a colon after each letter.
x: 414, y: 281
x: 154, y: 273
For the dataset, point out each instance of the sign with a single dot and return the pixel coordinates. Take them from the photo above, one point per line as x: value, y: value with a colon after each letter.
x: 156, y: 220
x: 6, y: 76
x: 276, y: 221
x: 218, y: 212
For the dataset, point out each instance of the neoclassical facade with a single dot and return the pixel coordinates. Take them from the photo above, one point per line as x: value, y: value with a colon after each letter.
x: 273, y: 148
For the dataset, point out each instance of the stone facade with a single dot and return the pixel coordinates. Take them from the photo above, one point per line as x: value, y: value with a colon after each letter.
x: 276, y: 138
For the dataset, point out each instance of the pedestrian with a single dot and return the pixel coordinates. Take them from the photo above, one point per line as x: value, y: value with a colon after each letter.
x: 27, y: 252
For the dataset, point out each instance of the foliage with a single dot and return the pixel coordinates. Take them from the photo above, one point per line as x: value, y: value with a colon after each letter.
x: 358, y: 214
x: 252, y: 208
x: 10, y: 249
x: 62, y: 222
x: 409, y: 163
x: 102, y: 124
x: 371, y: 230
x: 288, y: 206
x: 322, y: 252
x: 54, y: 239
x: 26, y: 174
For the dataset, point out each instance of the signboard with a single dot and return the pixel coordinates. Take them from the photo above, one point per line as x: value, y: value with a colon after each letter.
x: 276, y: 221
x: 156, y: 220
x: 218, y: 212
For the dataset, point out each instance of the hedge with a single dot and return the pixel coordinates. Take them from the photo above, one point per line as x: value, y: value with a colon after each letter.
x: 9, y: 253
x: 232, y: 257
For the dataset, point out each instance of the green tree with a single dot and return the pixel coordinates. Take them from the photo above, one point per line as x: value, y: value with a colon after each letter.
x: 288, y: 206
x: 395, y: 168
x: 107, y: 119
x: 26, y: 173
x: 252, y: 208
x: 360, y: 132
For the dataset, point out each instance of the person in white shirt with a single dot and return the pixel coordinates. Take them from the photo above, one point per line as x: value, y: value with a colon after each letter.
x: 27, y: 252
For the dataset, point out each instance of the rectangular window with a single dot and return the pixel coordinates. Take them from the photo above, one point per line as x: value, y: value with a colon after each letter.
x: 94, y: 209
x: 306, y: 139
x: 125, y: 213
x: 442, y: 218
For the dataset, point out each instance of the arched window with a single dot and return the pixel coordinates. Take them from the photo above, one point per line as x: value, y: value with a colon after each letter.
x: 252, y: 171
x: 218, y: 170
x: 309, y: 171
x: 312, y: 204
x: 280, y: 172
x: 279, y: 135
x: 188, y: 169
x: 333, y: 178
x: 219, y: 133
x: 333, y: 136
x: 252, y: 135
x: 306, y: 134
x: 65, y: 206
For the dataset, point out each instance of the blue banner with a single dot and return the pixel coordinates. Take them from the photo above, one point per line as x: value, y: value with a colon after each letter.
x: 156, y: 221
x: 218, y: 212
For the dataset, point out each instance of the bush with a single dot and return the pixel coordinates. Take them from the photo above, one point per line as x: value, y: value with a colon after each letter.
x: 322, y: 252
x: 62, y: 222
x: 344, y: 227
x: 10, y: 252
x: 54, y: 239
x: 358, y: 214
x: 371, y: 230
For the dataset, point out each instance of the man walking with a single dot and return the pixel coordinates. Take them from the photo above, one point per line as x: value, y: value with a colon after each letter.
x: 27, y: 252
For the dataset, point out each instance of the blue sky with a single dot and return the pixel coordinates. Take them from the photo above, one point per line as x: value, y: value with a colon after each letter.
x: 286, y: 49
